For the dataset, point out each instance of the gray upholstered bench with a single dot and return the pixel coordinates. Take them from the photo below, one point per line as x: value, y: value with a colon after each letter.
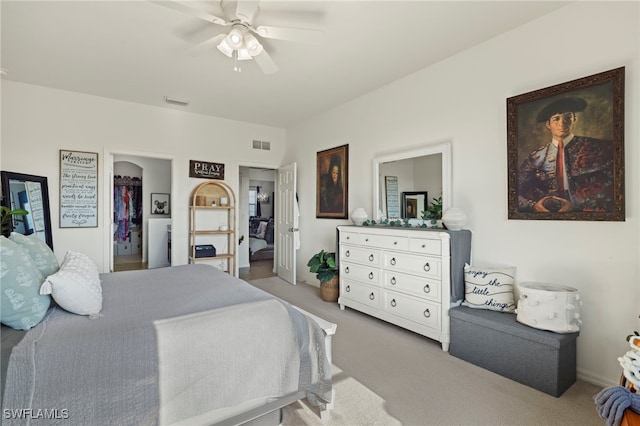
x: 493, y: 340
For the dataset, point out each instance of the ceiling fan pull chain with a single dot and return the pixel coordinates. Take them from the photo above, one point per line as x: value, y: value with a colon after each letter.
x: 236, y: 67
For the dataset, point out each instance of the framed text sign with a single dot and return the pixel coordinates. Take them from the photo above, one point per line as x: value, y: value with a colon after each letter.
x: 202, y: 169
x: 78, y: 189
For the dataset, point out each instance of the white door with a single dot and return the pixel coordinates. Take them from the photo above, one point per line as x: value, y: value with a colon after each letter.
x: 287, y: 223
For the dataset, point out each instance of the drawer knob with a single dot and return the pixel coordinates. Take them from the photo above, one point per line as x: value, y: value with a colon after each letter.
x: 393, y: 302
x: 348, y: 238
x: 348, y: 288
x: 366, y: 240
x: 395, y: 243
x: 393, y: 280
x: 427, y: 288
x: 427, y: 267
x: 370, y: 275
x: 347, y: 254
x: 424, y: 245
x: 346, y: 270
x: 371, y: 258
x: 371, y: 296
x: 393, y: 261
x: 427, y: 313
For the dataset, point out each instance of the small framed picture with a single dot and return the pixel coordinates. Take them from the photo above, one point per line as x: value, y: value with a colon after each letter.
x: 161, y: 204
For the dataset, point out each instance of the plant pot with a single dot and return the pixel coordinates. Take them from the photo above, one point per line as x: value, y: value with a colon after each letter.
x: 330, y: 290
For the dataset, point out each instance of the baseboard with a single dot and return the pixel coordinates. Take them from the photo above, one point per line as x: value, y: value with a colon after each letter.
x: 595, y: 379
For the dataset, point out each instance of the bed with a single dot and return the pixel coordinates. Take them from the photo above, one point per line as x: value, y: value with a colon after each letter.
x: 181, y: 345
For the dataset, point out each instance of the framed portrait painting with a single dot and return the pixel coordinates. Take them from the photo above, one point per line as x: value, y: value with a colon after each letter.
x: 565, y: 149
x: 160, y: 204
x: 332, y: 183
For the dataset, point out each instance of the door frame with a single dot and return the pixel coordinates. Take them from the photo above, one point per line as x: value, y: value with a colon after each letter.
x: 107, y: 167
x: 255, y: 165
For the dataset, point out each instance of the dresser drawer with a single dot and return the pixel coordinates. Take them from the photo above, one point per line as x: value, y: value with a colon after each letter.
x: 418, y: 286
x: 360, y: 293
x: 417, y: 310
x: 426, y: 266
x: 363, y: 255
x: 349, y: 237
x: 385, y: 241
x: 360, y: 272
x: 425, y: 246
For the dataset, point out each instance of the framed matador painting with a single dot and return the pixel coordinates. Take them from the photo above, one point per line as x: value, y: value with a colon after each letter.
x: 332, y: 183
x: 565, y: 148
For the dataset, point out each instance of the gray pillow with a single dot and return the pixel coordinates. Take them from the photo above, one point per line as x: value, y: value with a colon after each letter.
x: 22, y: 305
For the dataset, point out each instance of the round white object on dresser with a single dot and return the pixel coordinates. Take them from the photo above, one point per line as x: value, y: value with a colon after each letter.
x: 358, y: 216
x: 454, y: 219
x: 549, y: 307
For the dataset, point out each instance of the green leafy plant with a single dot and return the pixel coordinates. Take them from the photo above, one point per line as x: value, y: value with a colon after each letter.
x: 434, y: 211
x: 323, y: 264
x: 6, y: 216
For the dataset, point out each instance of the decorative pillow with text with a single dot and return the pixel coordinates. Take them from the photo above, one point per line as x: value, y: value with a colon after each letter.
x: 489, y: 288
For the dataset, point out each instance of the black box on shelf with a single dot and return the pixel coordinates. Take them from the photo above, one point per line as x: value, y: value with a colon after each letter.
x: 205, y: 250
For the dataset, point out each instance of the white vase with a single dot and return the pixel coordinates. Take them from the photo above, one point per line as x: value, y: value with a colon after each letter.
x: 358, y: 216
x: 454, y: 219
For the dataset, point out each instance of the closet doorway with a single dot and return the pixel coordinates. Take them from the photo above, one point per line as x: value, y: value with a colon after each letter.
x: 127, y: 217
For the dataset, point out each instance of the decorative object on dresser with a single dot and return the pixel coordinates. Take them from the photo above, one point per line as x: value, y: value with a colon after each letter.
x: 454, y: 219
x: 207, y: 216
x: 323, y: 264
x: 433, y: 214
x: 409, y: 277
x: 358, y: 216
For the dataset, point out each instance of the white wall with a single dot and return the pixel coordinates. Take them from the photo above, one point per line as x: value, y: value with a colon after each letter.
x: 37, y: 122
x: 463, y: 99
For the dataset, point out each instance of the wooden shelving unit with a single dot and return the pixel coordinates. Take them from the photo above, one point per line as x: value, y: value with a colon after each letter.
x: 212, y: 222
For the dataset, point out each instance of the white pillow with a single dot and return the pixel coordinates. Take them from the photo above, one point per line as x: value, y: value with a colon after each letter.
x: 262, y: 229
x: 76, y: 286
x: 489, y: 288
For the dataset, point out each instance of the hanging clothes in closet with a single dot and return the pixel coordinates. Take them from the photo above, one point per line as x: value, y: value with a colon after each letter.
x: 127, y: 211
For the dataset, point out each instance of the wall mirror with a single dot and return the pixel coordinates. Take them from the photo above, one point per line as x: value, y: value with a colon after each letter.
x: 31, y: 193
x: 422, y: 169
x: 414, y: 204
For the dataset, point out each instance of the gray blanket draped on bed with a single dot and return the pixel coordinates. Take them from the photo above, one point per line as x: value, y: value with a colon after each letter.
x: 105, y: 371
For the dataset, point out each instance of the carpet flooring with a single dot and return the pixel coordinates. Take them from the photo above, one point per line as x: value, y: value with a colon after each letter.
x: 407, y: 378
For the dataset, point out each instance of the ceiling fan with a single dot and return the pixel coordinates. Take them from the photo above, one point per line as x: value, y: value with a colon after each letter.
x: 242, y: 42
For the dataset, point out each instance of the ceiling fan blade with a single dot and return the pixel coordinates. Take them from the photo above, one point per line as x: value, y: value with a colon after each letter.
x: 291, y: 34
x: 191, y: 11
x: 265, y: 63
x: 207, y: 45
x: 246, y: 9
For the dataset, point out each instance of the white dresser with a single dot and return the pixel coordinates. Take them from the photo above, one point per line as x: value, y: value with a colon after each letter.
x: 408, y: 277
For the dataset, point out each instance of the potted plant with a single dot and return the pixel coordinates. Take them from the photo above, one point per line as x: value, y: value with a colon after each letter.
x: 433, y: 214
x: 6, y: 218
x: 323, y: 264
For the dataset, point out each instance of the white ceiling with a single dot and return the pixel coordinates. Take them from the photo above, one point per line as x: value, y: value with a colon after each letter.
x: 138, y: 51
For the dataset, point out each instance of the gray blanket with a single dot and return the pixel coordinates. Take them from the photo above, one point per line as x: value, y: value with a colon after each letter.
x: 72, y: 370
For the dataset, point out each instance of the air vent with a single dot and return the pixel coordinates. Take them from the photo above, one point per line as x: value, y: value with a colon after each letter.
x: 174, y: 101
x: 262, y: 145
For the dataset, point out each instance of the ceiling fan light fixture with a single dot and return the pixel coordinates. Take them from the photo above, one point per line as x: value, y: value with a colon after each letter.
x: 224, y: 47
x: 252, y: 44
x: 243, y: 54
x: 235, y: 39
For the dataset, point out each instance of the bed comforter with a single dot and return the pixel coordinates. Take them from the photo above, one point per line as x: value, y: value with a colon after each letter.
x: 202, y: 324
